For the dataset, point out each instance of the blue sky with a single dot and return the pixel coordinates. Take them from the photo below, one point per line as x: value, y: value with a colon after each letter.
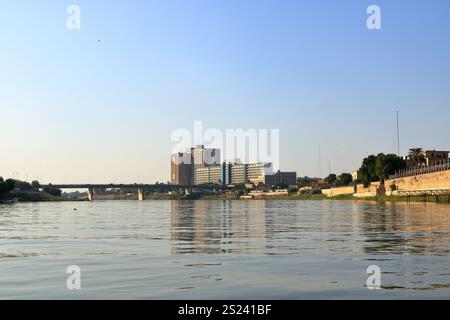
x: 76, y: 109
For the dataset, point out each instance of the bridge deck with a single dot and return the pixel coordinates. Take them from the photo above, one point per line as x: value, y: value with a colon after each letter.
x: 131, y: 186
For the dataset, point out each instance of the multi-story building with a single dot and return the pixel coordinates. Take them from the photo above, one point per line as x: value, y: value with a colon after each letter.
x: 209, y: 175
x: 238, y: 173
x: 256, y: 172
x: 281, y: 178
x: 185, y: 164
x: 216, y: 174
x: 198, y: 166
x: 201, y: 176
x: 202, y: 156
x: 226, y: 173
x: 181, y: 169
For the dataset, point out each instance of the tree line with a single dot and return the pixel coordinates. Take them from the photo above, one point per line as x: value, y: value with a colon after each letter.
x: 374, y: 168
x: 6, y: 186
x: 23, y: 186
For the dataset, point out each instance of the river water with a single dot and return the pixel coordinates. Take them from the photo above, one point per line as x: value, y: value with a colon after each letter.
x: 224, y: 250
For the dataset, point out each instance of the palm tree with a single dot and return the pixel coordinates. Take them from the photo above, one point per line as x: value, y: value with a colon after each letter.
x: 416, y: 157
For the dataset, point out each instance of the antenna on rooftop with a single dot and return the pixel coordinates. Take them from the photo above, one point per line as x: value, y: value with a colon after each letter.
x: 398, y: 135
x: 319, y: 162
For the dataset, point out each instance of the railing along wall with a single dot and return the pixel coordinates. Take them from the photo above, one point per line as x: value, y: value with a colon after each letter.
x: 444, y: 166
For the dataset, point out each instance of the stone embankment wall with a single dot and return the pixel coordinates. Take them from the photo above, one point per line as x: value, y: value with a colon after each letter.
x: 333, y: 192
x: 429, y: 181
x: 370, y: 191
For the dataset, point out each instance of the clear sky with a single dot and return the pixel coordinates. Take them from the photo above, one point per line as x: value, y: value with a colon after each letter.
x: 74, y: 109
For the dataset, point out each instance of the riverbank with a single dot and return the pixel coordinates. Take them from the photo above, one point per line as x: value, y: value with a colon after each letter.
x: 17, y: 196
x: 43, y: 197
x: 297, y: 197
x: 383, y: 198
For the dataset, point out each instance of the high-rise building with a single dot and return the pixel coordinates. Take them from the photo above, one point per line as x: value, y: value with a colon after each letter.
x: 226, y: 173
x: 199, y: 165
x: 184, y: 165
x: 181, y: 169
x: 202, y: 156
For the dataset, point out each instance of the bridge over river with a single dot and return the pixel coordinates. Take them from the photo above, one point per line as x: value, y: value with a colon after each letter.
x: 140, y: 188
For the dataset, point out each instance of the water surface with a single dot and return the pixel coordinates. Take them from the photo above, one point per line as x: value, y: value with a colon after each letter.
x: 224, y: 250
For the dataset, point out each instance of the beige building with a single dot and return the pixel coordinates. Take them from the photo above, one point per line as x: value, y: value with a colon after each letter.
x: 208, y: 175
x: 238, y: 173
x: 202, y: 156
x: 256, y: 172
x: 433, y: 157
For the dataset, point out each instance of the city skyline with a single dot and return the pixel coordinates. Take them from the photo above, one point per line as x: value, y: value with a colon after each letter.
x: 99, y: 104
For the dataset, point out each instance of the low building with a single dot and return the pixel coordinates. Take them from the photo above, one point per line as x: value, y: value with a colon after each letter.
x: 281, y: 178
x: 427, y: 158
x: 433, y: 157
x: 356, y: 175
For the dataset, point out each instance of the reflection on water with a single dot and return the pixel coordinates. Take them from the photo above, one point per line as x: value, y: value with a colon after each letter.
x: 225, y: 249
x: 212, y: 227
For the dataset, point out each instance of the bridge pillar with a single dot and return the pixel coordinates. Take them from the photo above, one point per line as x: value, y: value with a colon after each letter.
x: 90, y: 193
x: 140, y: 193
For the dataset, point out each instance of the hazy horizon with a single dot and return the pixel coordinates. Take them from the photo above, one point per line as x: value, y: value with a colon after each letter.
x: 99, y: 104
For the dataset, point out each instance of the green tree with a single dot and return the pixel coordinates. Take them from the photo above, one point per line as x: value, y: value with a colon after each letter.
x: 387, y: 165
x: 380, y: 167
x: 344, y: 179
x: 331, y: 179
x: 6, y: 186
x: 367, y: 170
x: 52, y: 190
x: 303, y: 182
x: 35, y: 185
x: 22, y: 186
x: 292, y: 190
